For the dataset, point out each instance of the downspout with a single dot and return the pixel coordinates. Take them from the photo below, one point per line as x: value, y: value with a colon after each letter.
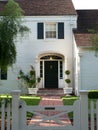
x: 73, y: 25
x: 73, y: 83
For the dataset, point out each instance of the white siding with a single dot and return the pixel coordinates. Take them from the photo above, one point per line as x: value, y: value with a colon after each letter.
x: 89, y: 70
x: 29, y: 47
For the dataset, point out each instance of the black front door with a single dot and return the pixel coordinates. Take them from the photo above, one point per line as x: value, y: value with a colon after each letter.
x: 51, y: 74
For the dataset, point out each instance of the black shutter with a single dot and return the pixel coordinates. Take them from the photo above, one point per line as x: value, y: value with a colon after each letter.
x: 60, y: 30
x: 40, y: 30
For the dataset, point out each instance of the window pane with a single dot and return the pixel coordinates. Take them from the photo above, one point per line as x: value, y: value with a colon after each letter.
x: 51, y: 30
x: 61, y: 70
x: 3, y: 73
x: 51, y: 34
x: 41, y: 69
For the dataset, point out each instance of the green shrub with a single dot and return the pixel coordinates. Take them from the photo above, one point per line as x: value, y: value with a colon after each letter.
x: 93, y: 94
x: 68, y: 81
x: 67, y: 72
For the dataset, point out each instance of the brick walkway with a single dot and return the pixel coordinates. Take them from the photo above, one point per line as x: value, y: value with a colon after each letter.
x: 51, y: 101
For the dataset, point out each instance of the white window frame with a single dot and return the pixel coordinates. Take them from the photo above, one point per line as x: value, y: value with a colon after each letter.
x: 45, y: 30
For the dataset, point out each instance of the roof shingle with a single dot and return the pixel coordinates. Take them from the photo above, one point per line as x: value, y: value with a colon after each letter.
x: 87, y: 19
x: 82, y: 39
x: 45, y: 7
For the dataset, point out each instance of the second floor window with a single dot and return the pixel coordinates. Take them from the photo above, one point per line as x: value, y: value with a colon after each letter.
x: 50, y: 30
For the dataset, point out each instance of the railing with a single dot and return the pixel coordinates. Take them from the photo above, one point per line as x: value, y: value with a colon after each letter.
x: 93, y: 115
x: 5, y: 115
x: 14, y: 118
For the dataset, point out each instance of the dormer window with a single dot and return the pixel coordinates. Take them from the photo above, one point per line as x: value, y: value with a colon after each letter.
x: 50, y: 30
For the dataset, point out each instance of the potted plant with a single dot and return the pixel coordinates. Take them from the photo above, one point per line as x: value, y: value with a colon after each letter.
x: 67, y: 80
x: 29, y: 80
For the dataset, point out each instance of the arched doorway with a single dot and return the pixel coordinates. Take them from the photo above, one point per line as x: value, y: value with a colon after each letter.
x: 51, y: 69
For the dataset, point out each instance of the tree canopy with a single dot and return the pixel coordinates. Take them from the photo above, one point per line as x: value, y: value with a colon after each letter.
x: 10, y: 26
x: 94, y: 41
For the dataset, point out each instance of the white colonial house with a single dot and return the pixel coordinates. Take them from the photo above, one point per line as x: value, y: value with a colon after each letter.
x: 58, y: 41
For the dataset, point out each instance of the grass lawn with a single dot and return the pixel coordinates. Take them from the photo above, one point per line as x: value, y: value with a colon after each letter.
x: 69, y: 100
x: 30, y: 100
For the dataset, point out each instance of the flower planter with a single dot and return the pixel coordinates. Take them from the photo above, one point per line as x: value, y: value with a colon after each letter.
x: 32, y: 90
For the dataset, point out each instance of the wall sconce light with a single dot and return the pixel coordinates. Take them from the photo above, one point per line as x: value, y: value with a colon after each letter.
x: 50, y: 58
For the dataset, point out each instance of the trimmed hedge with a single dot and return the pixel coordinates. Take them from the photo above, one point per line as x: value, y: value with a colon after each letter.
x: 93, y: 94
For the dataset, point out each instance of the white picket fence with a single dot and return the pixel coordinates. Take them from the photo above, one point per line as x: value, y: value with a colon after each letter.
x: 5, y: 115
x: 93, y: 115
x: 13, y: 116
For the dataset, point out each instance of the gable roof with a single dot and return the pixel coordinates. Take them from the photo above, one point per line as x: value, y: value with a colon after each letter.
x: 45, y: 7
x: 87, y: 19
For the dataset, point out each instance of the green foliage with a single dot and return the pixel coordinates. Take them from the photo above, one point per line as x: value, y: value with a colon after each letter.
x: 30, y: 78
x: 10, y: 26
x: 67, y: 72
x: 69, y: 100
x: 12, y: 9
x: 5, y: 99
x: 68, y: 81
x: 30, y: 100
x: 93, y: 94
x: 94, y: 41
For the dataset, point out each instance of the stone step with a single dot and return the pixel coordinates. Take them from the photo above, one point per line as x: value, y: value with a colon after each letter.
x: 43, y: 91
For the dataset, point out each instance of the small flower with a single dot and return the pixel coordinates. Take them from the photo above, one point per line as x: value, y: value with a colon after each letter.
x: 17, y: 78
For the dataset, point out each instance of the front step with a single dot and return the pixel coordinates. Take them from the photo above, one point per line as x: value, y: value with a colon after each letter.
x: 43, y: 91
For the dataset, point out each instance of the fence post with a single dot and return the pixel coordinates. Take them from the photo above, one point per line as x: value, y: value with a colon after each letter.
x: 84, y: 109
x: 15, y: 109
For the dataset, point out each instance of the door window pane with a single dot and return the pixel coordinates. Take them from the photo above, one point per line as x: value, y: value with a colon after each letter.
x: 41, y: 69
x: 61, y: 70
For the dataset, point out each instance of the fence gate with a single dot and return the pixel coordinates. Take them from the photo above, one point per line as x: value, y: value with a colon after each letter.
x: 49, y: 117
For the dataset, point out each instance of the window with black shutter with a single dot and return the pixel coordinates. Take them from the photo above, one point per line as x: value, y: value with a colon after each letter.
x: 52, y: 30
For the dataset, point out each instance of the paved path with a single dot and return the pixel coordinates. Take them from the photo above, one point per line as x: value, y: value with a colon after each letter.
x: 51, y: 101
